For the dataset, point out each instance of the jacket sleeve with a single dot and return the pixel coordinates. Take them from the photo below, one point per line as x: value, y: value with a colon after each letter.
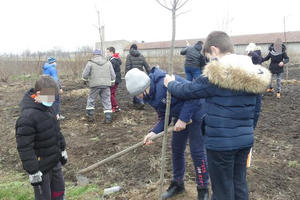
x: 200, y: 88
x: 267, y: 57
x: 25, y: 137
x: 187, y: 110
x: 257, y: 110
x: 159, y: 126
x: 53, y: 74
x: 87, y: 71
x: 112, y: 72
x: 147, y: 67
x: 183, y: 51
x: 128, y: 64
x: 286, y: 59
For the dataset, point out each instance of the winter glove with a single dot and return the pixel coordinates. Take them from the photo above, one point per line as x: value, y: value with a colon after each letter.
x: 64, y: 157
x: 36, y: 179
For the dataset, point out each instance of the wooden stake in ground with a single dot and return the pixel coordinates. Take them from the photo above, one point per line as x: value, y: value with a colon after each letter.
x: 173, y: 7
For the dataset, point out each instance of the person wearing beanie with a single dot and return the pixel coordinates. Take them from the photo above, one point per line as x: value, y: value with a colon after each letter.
x: 50, y: 69
x: 277, y: 54
x: 101, y: 76
x: 116, y: 62
x: 151, y: 88
x: 254, y: 52
x: 136, y: 60
x: 194, y: 60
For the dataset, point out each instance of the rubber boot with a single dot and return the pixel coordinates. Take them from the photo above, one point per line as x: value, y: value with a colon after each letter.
x: 203, y: 193
x: 107, y: 118
x: 174, y: 189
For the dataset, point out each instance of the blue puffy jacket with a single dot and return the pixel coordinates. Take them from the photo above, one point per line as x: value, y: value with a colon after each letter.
x: 50, y: 69
x: 230, y: 86
x: 180, y: 109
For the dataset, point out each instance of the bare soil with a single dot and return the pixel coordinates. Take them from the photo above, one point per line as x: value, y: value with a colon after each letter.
x: 274, y: 174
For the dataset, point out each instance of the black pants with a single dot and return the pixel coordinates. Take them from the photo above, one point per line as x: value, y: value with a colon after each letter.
x: 227, y: 171
x: 53, y: 186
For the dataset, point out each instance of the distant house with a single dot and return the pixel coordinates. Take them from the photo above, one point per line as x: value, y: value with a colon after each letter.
x: 119, y: 45
x: 157, y: 49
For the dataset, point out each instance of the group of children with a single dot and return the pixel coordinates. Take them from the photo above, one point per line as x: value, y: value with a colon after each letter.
x: 217, y: 114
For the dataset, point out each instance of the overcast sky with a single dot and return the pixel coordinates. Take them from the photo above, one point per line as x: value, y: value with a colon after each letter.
x: 69, y: 24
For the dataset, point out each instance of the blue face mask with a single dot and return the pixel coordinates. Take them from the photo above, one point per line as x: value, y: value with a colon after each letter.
x: 47, y: 104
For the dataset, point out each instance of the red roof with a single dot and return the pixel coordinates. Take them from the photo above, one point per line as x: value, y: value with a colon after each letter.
x: 266, y: 38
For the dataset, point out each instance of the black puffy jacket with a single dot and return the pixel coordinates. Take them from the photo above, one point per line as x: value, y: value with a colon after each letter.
x: 276, y: 58
x: 193, y: 56
x: 39, y: 140
x: 136, y: 60
x: 116, y: 63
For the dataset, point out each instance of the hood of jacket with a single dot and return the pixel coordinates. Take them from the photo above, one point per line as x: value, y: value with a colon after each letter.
x: 99, y: 60
x: 198, y: 46
x: 155, y: 76
x: 134, y: 53
x: 237, y: 72
x: 29, y: 103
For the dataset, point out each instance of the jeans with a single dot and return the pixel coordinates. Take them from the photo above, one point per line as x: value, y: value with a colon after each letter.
x: 192, y: 72
x: 196, y: 141
x: 278, y: 77
x: 56, y: 105
x: 227, y: 171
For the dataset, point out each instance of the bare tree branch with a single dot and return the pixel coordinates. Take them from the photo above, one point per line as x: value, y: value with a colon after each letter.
x: 183, y: 13
x: 165, y: 6
x: 180, y: 5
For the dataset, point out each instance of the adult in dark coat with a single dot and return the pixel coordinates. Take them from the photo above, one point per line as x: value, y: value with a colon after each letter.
x: 136, y: 60
x: 277, y: 54
x: 194, y: 60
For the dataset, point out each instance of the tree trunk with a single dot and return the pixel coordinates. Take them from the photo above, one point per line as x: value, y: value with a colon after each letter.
x: 167, y: 114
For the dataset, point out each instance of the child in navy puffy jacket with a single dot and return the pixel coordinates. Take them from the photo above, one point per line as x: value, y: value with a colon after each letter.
x: 230, y: 85
x: 153, y: 92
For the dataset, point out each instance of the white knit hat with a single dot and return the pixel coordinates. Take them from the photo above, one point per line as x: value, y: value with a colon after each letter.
x: 137, y: 81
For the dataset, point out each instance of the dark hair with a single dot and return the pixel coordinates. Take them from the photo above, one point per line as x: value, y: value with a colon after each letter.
x: 46, y: 82
x: 220, y: 40
x: 111, y: 49
x: 133, y: 46
x: 200, y: 42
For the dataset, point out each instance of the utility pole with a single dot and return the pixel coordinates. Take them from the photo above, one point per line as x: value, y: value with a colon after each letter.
x: 101, y: 31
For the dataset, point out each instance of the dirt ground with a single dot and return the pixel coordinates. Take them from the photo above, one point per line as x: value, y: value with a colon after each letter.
x: 274, y: 174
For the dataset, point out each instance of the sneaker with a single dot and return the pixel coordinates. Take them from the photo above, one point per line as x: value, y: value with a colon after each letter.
x: 203, y: 193
x: 60, y: 117
x: 174, y: 189
x: 278, y: 95
x: 117, y: 109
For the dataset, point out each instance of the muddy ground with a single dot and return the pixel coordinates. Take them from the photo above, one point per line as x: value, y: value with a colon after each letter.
x: 274, y: 174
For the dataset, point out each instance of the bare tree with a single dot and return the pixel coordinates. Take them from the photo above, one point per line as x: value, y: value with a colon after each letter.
x: 173, y: 6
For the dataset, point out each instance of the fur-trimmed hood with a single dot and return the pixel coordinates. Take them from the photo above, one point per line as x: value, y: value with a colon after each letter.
x: 237, y: 72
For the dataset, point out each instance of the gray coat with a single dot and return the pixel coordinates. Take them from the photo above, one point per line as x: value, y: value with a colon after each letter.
x: 193, y: 56
x: 99, y: 72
